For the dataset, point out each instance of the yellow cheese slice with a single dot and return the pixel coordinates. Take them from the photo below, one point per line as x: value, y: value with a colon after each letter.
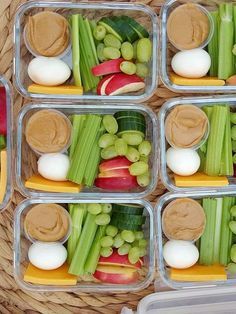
x: 37, y: 182
x: 59, y: 276
x: 61, y: 89
x: 203, y: 81
x: 3, y: 176
x: 199, y: 273
x: 200, y: 179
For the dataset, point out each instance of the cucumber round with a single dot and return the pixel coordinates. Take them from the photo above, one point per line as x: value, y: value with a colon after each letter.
x: 127, y: 209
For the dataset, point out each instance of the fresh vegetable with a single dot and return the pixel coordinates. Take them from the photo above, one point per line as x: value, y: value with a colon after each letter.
x: 76, y: 49
x: 213, y: 46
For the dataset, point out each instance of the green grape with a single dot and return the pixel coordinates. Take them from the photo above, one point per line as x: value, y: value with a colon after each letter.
x: 106, y: 251
x: 121, y: 147
x: 102, y: 219
x: 144, y: 50
x: 145, y: 148
x: 111, y: 231
x: 233, y: 253
x: 127, y: 50
x: 139, y: 235
x: 106, y: 140
x: 94, y: 209
x: 233, y: 117
x: 142, y: 70
x: 144, y: 159
x: 142, y: 251
x: 118, y: 241
x: 112, y: 41
x: 143, y: 243
x: 100, y: 55
x: 231, y: 268
x: 135, y: 243
x: 111, y: 53
x: 233, y: 211
x: 132, y: 154
x: 128, y: 236
x: 234, y: 158
x: 99, y: 32
x: 133, y: 255
x: 124, y: 249
x: 106, y: 241
x: 106, y: 208
x: 132, y: 139
x: 234, y: 146
x: 143, y: 179
x: 232, y: 226
x: 135, y: 49
x: 110, y: 124
x: 233, y: 132
x: 108, y: 152
x: 138, y: 168
x: 128, y: 67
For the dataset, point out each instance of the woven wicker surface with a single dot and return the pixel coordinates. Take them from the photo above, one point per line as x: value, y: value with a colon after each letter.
x: 12, y: 299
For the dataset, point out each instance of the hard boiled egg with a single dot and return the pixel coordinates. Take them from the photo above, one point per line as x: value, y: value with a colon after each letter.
x: 47, y: 255
x: 180, y: 254
x: 182, y: 161
x: 194, y: 63
x: 48, y: 71
x: 54, y: 166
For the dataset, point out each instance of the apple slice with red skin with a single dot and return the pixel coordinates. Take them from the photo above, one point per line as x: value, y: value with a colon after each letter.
x: 118, y: 260
x: 117, y: 184
x: 115, y: 173
x: 122, y: 83
x: 107, y: 67
x: 119, y: 162
x: 116, y: 274
x: 103, y: 84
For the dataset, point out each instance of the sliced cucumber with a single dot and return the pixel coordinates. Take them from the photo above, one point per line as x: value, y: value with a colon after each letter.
x: 131, y: 219
x: 125, y: 225
x: 127, y: 209
x: 112, y: 28
x: 131, y: 119
x: 130, y: 126
x: 129, y: 113
x: 139, y: 29
x: 129, y: 32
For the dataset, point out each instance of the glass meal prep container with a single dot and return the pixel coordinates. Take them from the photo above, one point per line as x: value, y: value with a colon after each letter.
x: 26, y: 163
x: 6, y: 175
x: 22, y: 56
x: 168, y: 50
x: 164, y: 270
x: 165, y: 173
x: 21, y: 245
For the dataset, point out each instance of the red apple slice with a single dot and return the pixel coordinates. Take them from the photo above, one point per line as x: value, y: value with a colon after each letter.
x: 116, y: 274
x: 103, y: 84
x: 122, y: 83
x: 118, y: 260
x: 115, y: 163
x: 115, y: 173
x: 117, y: 184
x: 107, y: 67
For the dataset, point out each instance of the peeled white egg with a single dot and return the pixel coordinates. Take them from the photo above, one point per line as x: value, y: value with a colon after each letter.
x: 180, y: 254
x: 192, y: 63
x: 47, y: 256
x: 54, y: 166
x: 48, y: 71
x: 182, y: 161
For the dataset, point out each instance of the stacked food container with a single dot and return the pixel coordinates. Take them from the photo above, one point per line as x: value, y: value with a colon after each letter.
x: 87, y: 153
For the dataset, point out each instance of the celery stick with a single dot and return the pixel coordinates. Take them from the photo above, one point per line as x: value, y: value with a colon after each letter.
x: 94, y: 253
x: 207, y: 239
x: 93, y: 24
x: 77, y: 127
x: 83, y: 246
x: 227, y: 167
x: 226, y: 234
x: 91, y: 39
x: 226, y: 41
x: 77, y: 219
x: 217, y: 235
x: 213, y: 46
x: 215, y: 140
x: 84, y: 148
x: 75, y: 49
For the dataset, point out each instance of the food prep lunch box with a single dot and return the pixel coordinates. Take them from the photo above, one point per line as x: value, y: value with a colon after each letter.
x: 26, y: 159
x: 165, y: 109
x: 167, y: 51
x: 94, y: 10
x: 21, y: 245
x: 6, y: 199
